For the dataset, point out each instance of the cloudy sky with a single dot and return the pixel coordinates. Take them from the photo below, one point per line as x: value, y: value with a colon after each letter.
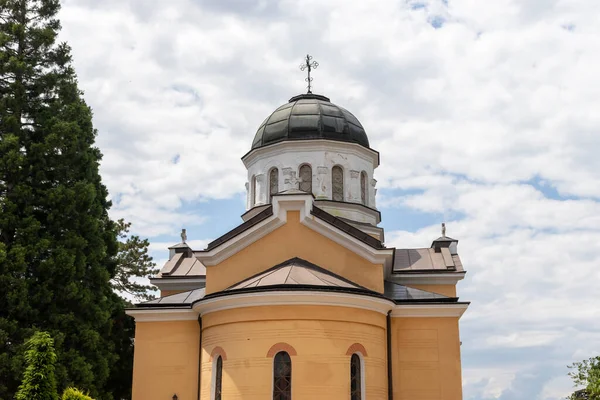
x: 486, y: 114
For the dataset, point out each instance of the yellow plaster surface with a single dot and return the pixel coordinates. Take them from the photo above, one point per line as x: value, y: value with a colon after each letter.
x: 426, y: 359
x: 320, y: 335
x: 294, y: 240
x: 165, y: 360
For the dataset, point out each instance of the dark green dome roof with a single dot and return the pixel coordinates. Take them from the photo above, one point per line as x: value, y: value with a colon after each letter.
x: 310, y: 116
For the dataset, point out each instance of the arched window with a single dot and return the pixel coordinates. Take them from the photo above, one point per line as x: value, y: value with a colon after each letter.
x: 217, y: 378
x: 363, y: 188
x: 253, y: 191
x: 273, y: 182
x: 306, y: 178
x: 337, y: 183
x: 356, y: 374
x: 282, y: 376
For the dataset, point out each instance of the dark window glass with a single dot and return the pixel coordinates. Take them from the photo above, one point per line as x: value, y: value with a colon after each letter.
x: 274, y: 181
x: 355, y: 378
x: 337, y: 183
x: 218, y: 378
x: 282, y: 376
x: 306, y: 178
x: 363, y: 187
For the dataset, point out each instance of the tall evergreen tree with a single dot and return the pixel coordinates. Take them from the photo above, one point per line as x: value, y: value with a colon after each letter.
x: 133, y: 261
x: 57, y: 243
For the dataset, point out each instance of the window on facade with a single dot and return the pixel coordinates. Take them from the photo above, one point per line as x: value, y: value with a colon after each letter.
x: 253, y: 191
x: 306, y: 178
x: 273, y: 181
x: 337, y: 183
x: 282, y: 376
x: 218, y: 378
x: 363, y: 188
x: 355, y: 378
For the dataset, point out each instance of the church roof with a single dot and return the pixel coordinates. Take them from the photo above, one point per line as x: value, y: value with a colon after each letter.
x: 426, y: 259
x: 179, y: 299
x: 182, y: 264
x: 403, y: 294
x: 299, y: 274
x: 296, y: 272
x: 310, y: 116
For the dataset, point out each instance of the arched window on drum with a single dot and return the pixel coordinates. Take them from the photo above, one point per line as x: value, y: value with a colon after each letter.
x: 306, y: 178
x: 253, y: 191
x: 337, y: 183
x: 364, y: 194
x: 273, y: 182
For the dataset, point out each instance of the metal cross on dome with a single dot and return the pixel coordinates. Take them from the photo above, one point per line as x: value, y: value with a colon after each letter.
x: 309, y: 65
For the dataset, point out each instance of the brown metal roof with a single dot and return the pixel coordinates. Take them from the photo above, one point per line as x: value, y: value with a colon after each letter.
x: 426, y: 259
x: 182, y: 264
x: 403, y: 294
x: 295, y: 271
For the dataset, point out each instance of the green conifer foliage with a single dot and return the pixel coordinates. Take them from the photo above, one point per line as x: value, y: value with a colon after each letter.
x: 57, y: 244
x: 38, y: 380
x: 133, y: 261
x: 74, y: 394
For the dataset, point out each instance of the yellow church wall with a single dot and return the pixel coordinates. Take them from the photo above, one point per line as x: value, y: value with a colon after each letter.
x: 426, y: 359
x: 320, y: 336
x: 165, y: 360
x: 294, y: 240
x: 446, y: 290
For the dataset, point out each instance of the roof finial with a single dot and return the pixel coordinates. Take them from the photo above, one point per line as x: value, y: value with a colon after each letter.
x: 183, y: 235
x: 307, y: 64
x: 443, y: 229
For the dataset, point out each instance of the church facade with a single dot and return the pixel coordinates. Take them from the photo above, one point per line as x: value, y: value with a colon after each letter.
x: 303, y: 300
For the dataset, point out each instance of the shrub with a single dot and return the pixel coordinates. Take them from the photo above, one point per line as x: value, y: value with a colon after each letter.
x: 38, y: 381
x: 74, y: 394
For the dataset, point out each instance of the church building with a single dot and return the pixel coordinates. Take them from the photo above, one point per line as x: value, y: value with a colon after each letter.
x: 303, y: 300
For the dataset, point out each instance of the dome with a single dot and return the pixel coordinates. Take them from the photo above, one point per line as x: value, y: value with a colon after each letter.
x: 310, y: 116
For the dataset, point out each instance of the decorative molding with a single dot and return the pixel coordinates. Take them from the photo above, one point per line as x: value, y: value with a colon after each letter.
x: 281, y: 205
x: 356, y: 149
x: 218, y: 351
x: 279, y: 298
x: 429, y: 310
x: 287, y: 298
x: 322, y: 170
x: 357, y: 348
x: 354, y: 174
x: 277, y: 347
x: 162, y: 314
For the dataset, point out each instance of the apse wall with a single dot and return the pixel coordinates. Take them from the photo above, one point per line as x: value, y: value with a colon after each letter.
x: 320, y: 340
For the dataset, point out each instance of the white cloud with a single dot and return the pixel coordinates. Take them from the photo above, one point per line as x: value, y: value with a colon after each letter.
x: 475, y: 121
x: 557, y: 388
